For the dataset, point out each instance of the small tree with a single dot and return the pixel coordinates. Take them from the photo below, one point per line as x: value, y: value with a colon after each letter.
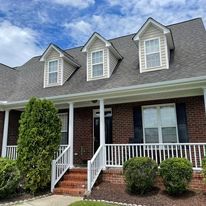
x: 39, y: 139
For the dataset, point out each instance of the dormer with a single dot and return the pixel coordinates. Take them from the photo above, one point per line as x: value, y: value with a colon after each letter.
x: 155, y: 43
x: 58, y: 66
x: 102, y: 57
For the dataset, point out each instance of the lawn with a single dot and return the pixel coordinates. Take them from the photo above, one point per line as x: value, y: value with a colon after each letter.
x: 90, y: 203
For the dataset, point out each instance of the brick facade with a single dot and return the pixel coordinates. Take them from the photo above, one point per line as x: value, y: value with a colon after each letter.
x: 122, y: 124
x: 115, y: 176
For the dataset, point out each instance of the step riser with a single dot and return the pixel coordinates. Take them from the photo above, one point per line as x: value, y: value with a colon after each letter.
x: 73, y: 183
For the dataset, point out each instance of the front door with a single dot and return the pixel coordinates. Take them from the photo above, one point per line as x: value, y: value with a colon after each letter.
x: 108, y: 128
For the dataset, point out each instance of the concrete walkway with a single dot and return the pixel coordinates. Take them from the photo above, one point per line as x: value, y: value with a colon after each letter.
x: 53, y: 200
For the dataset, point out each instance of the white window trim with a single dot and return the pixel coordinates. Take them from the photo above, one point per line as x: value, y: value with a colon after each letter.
x: 159, y: 124
x: 97, y: 77
x: 56, y: 83
x: 145, y: 56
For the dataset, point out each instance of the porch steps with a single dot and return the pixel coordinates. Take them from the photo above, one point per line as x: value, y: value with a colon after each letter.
x: 73, y: 183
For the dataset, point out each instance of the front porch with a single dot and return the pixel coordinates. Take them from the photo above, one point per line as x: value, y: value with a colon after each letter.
x: 131, y: 133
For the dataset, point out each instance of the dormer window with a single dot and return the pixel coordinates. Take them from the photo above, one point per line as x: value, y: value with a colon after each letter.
x: 53, y: 71
x: 97, y: 64
x: 152, y: 53
x: 58, y: 66
x: 102, y: 57
x: 154, y: 43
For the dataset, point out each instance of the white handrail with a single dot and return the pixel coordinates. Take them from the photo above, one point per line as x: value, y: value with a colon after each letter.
x: 94, y: 167
x: 60, y: 166
x: 117, y: 154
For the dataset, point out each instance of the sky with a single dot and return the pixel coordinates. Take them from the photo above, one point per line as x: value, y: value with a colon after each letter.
x: 27, y: 27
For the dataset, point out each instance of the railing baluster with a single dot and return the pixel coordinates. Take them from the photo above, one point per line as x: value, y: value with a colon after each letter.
x: 190, y: 154
x: 200, y: 158
x: 119, y: 155
x: 195, y: 156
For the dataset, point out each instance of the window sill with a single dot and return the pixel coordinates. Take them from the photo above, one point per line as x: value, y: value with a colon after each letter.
x: 153, y: 69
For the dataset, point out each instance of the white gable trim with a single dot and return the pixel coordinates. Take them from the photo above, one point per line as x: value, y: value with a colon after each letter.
x: 106, y: 42
x: 95, y: 35
x: 51, y: 46
x: 61, y: 55
x: 146, y: 24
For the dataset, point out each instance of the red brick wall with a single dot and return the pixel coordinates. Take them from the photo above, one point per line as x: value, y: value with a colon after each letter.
x: 83, y: 135
x: 115, y: 176
x: 13, y: 132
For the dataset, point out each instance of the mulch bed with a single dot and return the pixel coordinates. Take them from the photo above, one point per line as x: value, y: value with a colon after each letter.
x: 157, y: 197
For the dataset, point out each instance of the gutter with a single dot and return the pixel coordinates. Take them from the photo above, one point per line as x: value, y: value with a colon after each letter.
x: 171, y: 85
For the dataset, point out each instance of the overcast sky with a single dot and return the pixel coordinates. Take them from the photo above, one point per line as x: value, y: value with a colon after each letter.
x: 28, y: 26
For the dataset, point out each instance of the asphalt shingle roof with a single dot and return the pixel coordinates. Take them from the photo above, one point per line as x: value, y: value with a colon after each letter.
x: 187, y: 60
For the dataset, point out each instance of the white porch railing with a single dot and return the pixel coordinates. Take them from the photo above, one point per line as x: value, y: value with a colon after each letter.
x: 117, y: 154
x: 94, y: 167
x: 60, y: 166
x: 11, y: 151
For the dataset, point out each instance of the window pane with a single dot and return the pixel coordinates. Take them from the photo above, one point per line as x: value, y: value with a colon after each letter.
x: 150, y: 117
x: 152, y: 46
x: 168, y: 117
x: 151, y: 135
x: 97, y: 57
x: 64, y: 120
x: 97, y: 70
x: 153, y: 60
x: 53, y: 66
x: 53, y: 77
x: 169, y: 135
x: 64, y: 138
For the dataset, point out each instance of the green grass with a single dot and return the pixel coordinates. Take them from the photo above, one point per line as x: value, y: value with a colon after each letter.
x: 89, y: 203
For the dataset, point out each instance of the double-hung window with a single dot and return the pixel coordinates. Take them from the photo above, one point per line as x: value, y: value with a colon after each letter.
x: 53, y: 71
x: 160, y: 124
x: 97, y: 64
x: 64, y: 129
x: 152, y: 52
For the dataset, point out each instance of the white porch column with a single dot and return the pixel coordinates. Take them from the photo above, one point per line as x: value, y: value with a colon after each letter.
x: 71, y: 132
x: 102, y: 122
x: 5, y: 133
x: 102, y: 131
x: 204, y: 93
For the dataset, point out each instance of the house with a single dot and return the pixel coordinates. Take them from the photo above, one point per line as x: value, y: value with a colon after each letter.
x: 142, y: 94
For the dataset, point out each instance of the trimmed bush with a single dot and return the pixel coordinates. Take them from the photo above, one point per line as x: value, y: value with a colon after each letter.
x: 204, y: 169
x: 39, y: 138
x: 9, y: 177
x: 140, y: 173
x: 176, y: 174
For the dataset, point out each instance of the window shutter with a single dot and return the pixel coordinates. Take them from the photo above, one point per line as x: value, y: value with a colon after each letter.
x: 138, y: 130
x: 182, y: 123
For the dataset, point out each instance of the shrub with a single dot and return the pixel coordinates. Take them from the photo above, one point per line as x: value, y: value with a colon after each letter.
x: 39, y: 139
x: 204, y: 169
x: 140, y: 173
x: 176, y: 174
x: 9, y: 177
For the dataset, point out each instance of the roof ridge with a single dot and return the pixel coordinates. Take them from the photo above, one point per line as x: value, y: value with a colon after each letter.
x: 182, y: 22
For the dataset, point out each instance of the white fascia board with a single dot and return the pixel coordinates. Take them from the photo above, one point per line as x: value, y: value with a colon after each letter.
x: 147, y: 23
x: 172, y: 85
